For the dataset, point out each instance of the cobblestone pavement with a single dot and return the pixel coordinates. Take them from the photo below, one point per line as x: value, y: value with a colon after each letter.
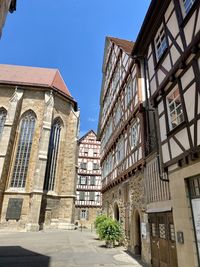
x: 60, y: 249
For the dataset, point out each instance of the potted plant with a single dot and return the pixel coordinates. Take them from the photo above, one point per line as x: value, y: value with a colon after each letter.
x: 110, y: 230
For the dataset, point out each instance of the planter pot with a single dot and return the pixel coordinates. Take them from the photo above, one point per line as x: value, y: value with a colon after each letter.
x: 109, y: 244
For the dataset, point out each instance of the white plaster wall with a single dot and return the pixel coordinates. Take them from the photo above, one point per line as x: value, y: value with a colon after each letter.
x: 165, y: 153
x: 188, y: 30
x: 187, y: 77
x: 189, y: 97
x: 182, y: 136
x: 175, y: 149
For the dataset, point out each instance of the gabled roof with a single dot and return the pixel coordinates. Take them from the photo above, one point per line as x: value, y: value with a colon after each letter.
x: 125, y: 45
x: 85, y: 135
x: 32, y: 76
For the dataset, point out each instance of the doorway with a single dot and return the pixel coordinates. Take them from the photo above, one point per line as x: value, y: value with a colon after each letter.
x: 116, y: 212
x: 137, y: 233
x: 163, y: 242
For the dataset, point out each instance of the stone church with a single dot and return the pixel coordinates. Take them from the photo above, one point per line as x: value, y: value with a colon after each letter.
x: 38, y: 149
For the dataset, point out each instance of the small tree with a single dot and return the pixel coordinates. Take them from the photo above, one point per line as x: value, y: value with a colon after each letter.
x: 99, y: 220
x: 110, y: 230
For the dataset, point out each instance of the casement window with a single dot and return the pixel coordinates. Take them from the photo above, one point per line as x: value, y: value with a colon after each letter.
x: 115, y: 81
x: 92, y: 180
x: 120, y: 151
x: 27, y: 126
x: 83, y: 180
x: 3, y: 114
x: 95, y: 166
x: 134, y: 135
x: 82, y: 195
x: 175, y: 110
x: 194, y: 195
x: 86, y: 153
x: 54, y: 141
x: 160, y: 43
x: 129, y: 92
x: 135, y: 91
x: 186, y: 6
x: 118, y: 114
x: 83, y: 165
x: 84, y: 214
x: 92, y: 196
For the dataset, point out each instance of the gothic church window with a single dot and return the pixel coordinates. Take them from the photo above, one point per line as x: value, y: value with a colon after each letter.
x: 52, y: 155
x: 3, y: 114
x: 27, y: 126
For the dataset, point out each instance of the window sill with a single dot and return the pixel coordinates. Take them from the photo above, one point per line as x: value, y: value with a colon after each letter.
x: 176, y: 129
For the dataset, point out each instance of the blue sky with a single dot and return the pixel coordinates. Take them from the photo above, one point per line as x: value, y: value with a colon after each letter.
x: 70, y: 35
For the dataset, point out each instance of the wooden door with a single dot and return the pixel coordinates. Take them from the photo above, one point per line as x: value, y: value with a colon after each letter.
x: 163, y: 244
x: 154, y: 240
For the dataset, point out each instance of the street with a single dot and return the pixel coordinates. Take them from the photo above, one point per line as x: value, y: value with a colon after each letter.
x: 60, y: 249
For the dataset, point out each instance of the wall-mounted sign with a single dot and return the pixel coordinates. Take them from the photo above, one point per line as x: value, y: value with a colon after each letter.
x: 144, y: 230
x: 14, y: 209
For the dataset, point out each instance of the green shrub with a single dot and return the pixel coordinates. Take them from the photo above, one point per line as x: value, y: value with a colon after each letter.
x: 99, y: 219
x: 110, y: 230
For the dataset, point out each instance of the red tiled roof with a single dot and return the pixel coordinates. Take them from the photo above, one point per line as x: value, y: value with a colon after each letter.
x: 32, y: 76
x: 126, y: 45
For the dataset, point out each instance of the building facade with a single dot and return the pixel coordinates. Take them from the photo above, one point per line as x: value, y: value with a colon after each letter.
x: 88, y: 189
x: 5, y: 7
x: 168, y: 44
x: 122, y: 135
x: 38, y: 148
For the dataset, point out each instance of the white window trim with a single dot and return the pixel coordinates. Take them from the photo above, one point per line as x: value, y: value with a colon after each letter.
x: 170, y: 112
x: 186, y: 6
x: 163, y: 42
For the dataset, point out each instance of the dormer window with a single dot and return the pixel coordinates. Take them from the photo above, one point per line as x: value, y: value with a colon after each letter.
x: 160, y: 43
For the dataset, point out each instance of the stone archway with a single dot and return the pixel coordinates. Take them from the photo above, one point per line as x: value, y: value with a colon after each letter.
x: 116, y: 212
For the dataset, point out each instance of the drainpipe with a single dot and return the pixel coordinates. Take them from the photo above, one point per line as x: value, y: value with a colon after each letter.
x: 148, y: 109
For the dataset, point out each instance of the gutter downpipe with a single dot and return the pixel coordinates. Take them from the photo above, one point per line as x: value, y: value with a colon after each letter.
x: 143, y: 58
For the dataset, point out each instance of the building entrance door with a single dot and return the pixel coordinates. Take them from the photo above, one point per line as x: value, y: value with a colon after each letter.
x: 163, y: 244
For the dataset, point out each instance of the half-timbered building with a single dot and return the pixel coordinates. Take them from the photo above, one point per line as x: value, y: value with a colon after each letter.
x: 168, y: 44
x: 88, y: 189
x: 121, y: 131
x: 38, y: 148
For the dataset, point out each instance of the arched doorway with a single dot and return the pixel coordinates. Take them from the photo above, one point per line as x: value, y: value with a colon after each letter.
x: 116, y: 212
x: 137, y: 233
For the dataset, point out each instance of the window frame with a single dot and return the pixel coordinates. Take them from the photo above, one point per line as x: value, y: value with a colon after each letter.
x: 170, y: 112
x: 52, y: 156
x: 186, y: 8
x: 160, y: 38
x: 135, y: 139
x: 23, y: 150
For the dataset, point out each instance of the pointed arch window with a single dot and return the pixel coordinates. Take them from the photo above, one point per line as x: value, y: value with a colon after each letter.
x: 3, y: 114
x: 52, y: 155
x: 27, y: 126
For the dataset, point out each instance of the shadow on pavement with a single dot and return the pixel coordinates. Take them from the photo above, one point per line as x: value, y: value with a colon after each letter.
x: 16, y: 256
